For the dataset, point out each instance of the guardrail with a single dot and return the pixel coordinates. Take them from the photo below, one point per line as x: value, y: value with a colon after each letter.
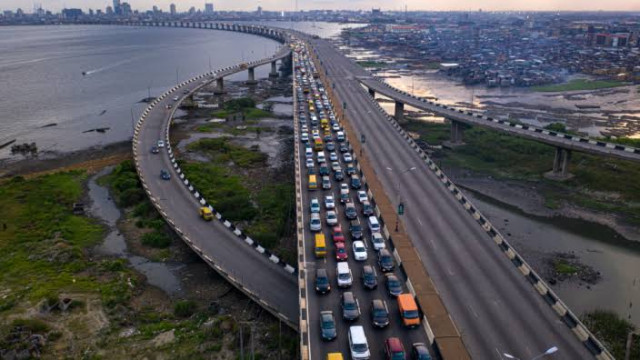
x: 213, y: 75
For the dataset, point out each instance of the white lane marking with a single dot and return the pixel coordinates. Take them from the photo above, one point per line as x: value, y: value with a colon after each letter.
x: 450, y: 271
x: 419, y: 221
x: 473, y: 312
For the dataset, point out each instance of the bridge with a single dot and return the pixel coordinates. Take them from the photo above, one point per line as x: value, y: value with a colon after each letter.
x: 498, y: 303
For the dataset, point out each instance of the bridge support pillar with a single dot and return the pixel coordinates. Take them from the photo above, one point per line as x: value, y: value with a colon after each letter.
x: 399, y: 112
x: 219, y: 86
x: 561, y: 161
x: 274, y: 70
x: 457, y: 130
x: 372, y: 92
x: 252, y: 76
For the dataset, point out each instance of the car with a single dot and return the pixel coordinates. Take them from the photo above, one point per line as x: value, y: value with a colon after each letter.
x: 304, y: 128
x: 332, y: 218
x: 324, y: 169
x: 394, y: 286
x: 322, y: 158
x: 338, y: 175
x: 385, y: 260
x: 169, y: 106
x: 304, y: 137
x: 347, y: 158
x: 393, y: 349
x: 333, y: 156
x: 335, y: 127
x: 362, y: 196
x: 377, y: 241
x: 310, y: 163
x: 379, y: 313
x: 314, y: 222
x: 350, y: 306
x: 369, y: 277
x: 154, y: 150
x: 176, y: 98
x: 351, y: 170
x: 335, y: 166
x: 359, y: 251
x: 329, y: 202
x: 337, y: 235
x: 344, y: 148
x: 164, y: 174
x: 185, y: 91
x: 344, y: 188
x: 350, y: 211
x: 355, y: 229
x: 341, y: 251
x: 311, y: 171
x: 344, y: 277
x: 420, y: 351
x: 323, y: 285
x: 330, y: 146
x: 367, y: 208
x: 327, y: 325
x: 160, y: 143
x: 206, y: 213
x: 314, y: 205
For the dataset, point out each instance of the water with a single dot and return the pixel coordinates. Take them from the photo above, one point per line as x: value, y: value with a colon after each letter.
x: 161, y: 275
x: 618, y: 264
x: 42, y: 83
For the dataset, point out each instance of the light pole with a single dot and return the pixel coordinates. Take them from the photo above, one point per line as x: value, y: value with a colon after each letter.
x: 549, y: 351
x: 400, y: 209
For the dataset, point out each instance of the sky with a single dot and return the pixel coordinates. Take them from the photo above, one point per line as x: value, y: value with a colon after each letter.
x: 438, y: 5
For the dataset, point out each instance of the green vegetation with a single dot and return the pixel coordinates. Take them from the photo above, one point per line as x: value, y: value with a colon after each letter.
x: 274, y: 209
x: 371, y: 64
x: 612, y: 330
x: 561, y: 266
x: 222, y: 150
x: 433, y: 133
x: 579, y: 84
x: 244, y: 106
x: 156, y: 239
x: 184, y: 308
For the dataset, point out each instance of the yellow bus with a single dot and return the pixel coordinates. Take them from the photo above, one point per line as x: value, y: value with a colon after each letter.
x: 317, y: 144
x: 320, y: 246
x: 324, y: 122
x: 313, y: 182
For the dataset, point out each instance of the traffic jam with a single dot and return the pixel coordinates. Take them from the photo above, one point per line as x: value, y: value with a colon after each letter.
x: 361, y: 307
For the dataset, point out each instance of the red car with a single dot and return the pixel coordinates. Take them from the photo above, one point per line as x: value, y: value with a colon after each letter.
x: 338, y: 235
x: 393, y: 349
x: 341, y: 251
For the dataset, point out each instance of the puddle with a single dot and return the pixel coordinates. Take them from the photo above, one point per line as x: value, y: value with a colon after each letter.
x: 161, y: 275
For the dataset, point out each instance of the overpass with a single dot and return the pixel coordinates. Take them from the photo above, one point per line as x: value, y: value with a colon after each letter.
x: 248, y: 266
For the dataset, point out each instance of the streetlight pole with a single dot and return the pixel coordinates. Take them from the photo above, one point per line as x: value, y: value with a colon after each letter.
x: 399, y: 176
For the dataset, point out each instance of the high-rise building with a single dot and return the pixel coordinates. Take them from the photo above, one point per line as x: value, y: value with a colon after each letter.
x: 155, y: 9
x: 109, y: 10
x: 117, y: 7
x: 208, y: 8
x: 126, y: 9
x: 259, y: 11
x: 172, y: 9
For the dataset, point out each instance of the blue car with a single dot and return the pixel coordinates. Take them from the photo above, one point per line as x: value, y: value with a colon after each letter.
x: 164, y: 174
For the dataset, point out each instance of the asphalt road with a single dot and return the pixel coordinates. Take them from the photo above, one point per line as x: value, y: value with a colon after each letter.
x: 491, y: 303
x: 331, y: 301
x: 269, y: 281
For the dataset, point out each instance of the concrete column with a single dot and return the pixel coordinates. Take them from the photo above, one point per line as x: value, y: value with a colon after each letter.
x: 219, y: 86
x: 372, y: 92
x: 457, y: 130
x: 399, y: 112
x: 561, y: 160
x: 274, y: 69
x: 252, y: 76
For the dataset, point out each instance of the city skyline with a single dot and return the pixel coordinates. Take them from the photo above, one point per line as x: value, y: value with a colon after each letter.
x: 288, y: 5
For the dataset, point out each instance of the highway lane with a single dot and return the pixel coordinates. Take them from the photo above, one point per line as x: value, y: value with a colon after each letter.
x: 492, y: 304
x: 331, y: 301
x: 270, y: 282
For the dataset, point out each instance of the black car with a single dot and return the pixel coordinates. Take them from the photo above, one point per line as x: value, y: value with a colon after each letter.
x: 155, y: 150
x: 311, y: 171
x: 369, y: 278
x: 327, y: 325
x: 322, y: 281
x: 344, y: 147
x: 356, y: 231
x: 164, y: 174
x: 330, y: 146
x: 350, y: 211
x: 394, y: 286
x: 324, y: 169
x: 379, y: 313
x: 350, y: 306
x: 351, y: 170
x: 385, y: 260
x: 419, y: 351
x: 367, y: 209
x: 338, y: 175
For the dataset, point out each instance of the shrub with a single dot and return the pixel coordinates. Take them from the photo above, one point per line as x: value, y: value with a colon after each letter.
x: 156, y: 239
x: 184, y: 308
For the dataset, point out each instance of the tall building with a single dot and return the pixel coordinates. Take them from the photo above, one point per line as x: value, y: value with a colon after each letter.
x: 208, y: 8
x: 117, y: 7
x: 126, y: 9
x: 172, y: 9
x: 259, y: 11
x: 109, y: 10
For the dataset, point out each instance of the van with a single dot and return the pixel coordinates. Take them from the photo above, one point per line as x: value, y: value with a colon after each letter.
x: 358, y: 343
x: 408, y: 310
x: 355, y: 182
x: 320, y: 247
x: 374, y: 225
x: 308, y: 153
x: 344, y: 275
x: 313, y: 182
x: 334, y: 356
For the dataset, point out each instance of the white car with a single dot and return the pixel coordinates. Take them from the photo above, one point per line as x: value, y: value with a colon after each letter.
x: 310, y: 163
x: 304, y: 128
x: 314, y: 222
x: 333, y: 156
x: 160, y: 143
x: 321, y: 157
x: 315, y: 205
x: 335, y: 166
x: 175, y: 98
x: 344, y: 188
x: 335, y: 127
x: 359, y: 251
x: 332, y: 218
x: 377, y: 241
x: 304, y: 137
x: 362, y: 196
x: 329, y: 202
x: 347, y: 158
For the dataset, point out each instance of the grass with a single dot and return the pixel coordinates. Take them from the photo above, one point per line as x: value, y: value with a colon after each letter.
x: 579, y: 84
x: 244, y: 106
x: 563, y: 267
x: 222, y: 150
x: 612, y: 330
x: 372, y: 64
x: 184, y: 308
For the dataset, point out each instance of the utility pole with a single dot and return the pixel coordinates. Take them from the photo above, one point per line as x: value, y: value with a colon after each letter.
x: 177, y: 81
x: 241, y: 345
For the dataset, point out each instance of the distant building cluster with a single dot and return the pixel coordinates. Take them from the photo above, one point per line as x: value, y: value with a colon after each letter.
x: 509, y: 49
